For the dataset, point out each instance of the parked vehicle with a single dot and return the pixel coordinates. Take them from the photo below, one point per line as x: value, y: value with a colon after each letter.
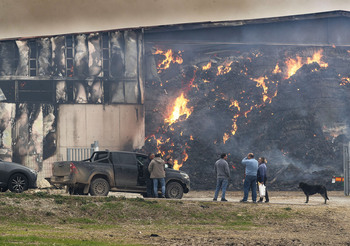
x: 116, y: 171
x: 16, y: 177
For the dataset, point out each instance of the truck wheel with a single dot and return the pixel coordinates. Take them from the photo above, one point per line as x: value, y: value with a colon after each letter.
x: 99, y: 187
x: 174, y: 190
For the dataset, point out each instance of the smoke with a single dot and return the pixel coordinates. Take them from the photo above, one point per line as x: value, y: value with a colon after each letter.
x: 81, y: 55
x: 23, y: 49
x: 58, y: 56
x: 241, y: 103
x: 95, y: 63
x: 44, y: 59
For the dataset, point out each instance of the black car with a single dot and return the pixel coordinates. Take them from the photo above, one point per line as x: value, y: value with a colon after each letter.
x: 16, y: 177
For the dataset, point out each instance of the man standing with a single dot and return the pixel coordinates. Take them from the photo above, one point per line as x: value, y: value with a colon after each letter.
x: 222, y: 173
x: 157, y: 171
x: 146, y: 175
x: 251, y: 170
x: 262, y: 170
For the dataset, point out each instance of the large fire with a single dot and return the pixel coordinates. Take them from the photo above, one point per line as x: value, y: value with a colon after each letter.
x: 207, y: 67
x: 293, y: 65
x: 224, y: 68
x: 170, y: 57
x: 179, y: 109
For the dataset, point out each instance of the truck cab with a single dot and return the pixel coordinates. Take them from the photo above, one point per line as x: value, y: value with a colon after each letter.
x: 117, y: 171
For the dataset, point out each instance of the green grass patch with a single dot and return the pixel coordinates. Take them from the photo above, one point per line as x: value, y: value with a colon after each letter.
x: 80, y: 220
x: 36, y: 240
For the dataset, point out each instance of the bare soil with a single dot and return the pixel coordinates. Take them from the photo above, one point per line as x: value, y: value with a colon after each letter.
x: 194, y: 220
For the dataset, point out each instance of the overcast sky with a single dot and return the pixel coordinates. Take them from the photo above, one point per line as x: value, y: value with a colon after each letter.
x: 26, y: 18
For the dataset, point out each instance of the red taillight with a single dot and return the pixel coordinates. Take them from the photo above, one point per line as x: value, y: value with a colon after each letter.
x: 73, y: 169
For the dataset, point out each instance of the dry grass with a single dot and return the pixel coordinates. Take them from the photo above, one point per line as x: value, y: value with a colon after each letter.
x: 44, y: 219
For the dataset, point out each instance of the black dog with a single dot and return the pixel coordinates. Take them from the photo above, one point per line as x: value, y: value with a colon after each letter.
x: 313, y: 189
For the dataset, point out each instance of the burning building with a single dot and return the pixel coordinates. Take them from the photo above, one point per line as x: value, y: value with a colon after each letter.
x: 66, y: 92
x: 277, y: 87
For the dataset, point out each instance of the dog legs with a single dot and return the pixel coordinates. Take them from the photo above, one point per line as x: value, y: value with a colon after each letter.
x: 324, y: 195
x: 307, y: 198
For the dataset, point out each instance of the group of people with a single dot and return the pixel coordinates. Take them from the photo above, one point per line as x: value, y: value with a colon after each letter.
x: 255, y: 172
x: 154, y: 173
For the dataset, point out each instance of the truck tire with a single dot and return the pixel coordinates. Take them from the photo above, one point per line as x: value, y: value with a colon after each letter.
x: 99, y: 187
x: 174, y: 190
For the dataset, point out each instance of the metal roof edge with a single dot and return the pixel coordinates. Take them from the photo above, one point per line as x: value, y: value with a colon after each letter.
x: 209, y: 24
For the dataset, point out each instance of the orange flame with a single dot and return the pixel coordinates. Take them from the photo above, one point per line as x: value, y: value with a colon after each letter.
x: 345, y: 81
x: 224, y: 68
x: 207, y: 67
x: 170, y: 57
x: 159, y: 142
x: 260, y: 82
x: 234, y: 103
x: 234, y: 125
x: 177, y: 165
x: 225, y: 137
x: 317, y: 58
x: 277, y: 69
x: 179, y: 109
x: 293, y: 65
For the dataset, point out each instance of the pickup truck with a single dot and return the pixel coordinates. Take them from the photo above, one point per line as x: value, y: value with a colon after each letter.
x: 116, y: 171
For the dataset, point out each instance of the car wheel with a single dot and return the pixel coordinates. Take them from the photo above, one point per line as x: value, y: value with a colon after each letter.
x: 174, y: 190
x: 18, y: 183
x: 99, y: 187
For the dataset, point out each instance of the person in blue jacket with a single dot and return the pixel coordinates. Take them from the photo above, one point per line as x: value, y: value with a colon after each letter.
x: 251, y: 171
x: 262, y: 176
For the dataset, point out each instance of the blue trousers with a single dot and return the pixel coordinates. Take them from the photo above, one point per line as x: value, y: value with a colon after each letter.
x: 250, y: 184
x: 155, y: 186
x: 221, y: 183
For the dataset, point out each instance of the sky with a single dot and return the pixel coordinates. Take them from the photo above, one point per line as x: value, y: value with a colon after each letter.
x: 28, y: 18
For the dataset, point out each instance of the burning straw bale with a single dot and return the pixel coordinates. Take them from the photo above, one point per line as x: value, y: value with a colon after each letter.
x: 275, y: 101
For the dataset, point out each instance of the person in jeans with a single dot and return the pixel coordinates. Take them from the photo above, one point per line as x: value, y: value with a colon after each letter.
x: 222, y: 173
x: 251, y: 171
x: 146, y: 175
x: 157, y: 171
x: 262, y: 170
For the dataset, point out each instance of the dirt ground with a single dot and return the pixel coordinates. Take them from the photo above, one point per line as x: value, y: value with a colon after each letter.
x: 314, y: 223
x: 194, y: 220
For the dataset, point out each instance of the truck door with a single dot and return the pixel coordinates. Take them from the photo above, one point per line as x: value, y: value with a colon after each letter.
x: 125, y: 169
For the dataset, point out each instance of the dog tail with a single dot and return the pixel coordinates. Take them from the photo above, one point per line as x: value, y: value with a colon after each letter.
x: 326, y: 195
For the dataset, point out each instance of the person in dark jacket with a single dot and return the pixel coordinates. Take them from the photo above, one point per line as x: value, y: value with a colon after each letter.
x: 222, y: 173
x: 157, y: 171
x: 146, y: 175
x: 262, y: 176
